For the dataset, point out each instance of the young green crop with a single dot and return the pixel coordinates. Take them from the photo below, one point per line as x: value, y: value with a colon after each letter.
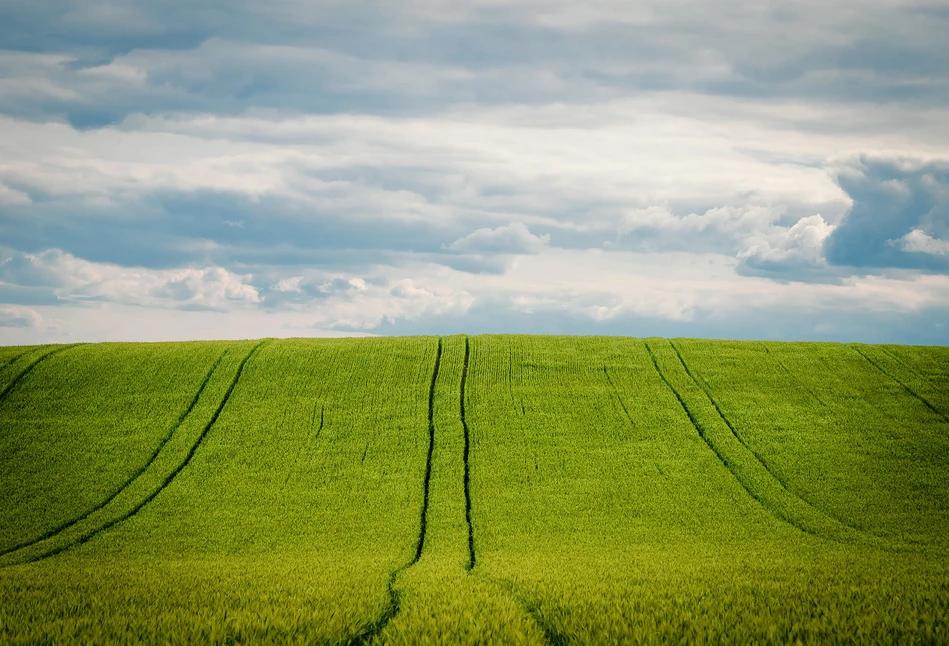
x: 285, y: 523
x: 602, y: 506
x: 842, y: 434
x: 491, y: 489
x: 82, y: 422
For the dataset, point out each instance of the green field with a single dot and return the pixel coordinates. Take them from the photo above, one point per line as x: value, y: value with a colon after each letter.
x: 485, y: 489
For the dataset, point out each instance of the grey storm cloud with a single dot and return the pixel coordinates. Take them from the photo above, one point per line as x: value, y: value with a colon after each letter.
x: 893, y: 199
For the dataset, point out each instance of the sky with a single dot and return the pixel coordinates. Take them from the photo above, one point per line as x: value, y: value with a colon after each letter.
x: 228, y: 169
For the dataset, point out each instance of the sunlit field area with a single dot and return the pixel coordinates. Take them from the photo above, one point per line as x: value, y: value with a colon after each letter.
x: 484, y: 489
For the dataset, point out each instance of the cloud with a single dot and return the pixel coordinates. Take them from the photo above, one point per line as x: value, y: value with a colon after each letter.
x: 291, y: 284
x: 354, y: 304
x: 121, y: 57
x: 578, y: 291
x: 781, y: 250
x: 582, y: 166
x: 23, y: 317
x: 918, y: 241
x: 514, y: 238
x: 73, y: 279
x: 10, y: 196
x: 722, y: 228
x: 891, y: 199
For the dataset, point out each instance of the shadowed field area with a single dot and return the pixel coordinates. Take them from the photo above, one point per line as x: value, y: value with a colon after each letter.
x: 488, y: 489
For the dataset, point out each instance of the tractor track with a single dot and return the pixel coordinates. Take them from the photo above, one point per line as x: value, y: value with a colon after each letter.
x: 467, y: 477
x: 788, y: 372
x: 790, y: 520
x: 168, y: 479
x: 725, y: 419
x: 551, y: 636
x: 758, y: 457
x: 899, y: 382
x: 15, y: 357
x: 66, y: 525
x: 698, y: 427
x: 372, y: 630
x: 618, y: 398
x: 29, y: 368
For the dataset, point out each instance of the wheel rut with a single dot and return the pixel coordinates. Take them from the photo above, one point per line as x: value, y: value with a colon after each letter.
x: 766, y: 489
x: 551, y: 636
x: 434, y: 546
x: 925, y: 402
x: 764, y: 463
x: 372, y: 631
x: 166, y: 481
x: 467, y: 453
x: 14, y: 358
x: 790, y: 374
x: 721, y: 414
x: 618, y: 398
x: 29, y: 367
x: 151, y: 459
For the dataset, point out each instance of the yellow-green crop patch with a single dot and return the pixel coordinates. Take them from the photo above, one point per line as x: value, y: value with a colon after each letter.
x: 486, y: 489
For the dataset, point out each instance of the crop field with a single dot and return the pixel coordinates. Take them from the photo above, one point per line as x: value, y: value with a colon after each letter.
x: 484, y: 489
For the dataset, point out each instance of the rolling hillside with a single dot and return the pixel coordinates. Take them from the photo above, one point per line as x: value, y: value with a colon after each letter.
x: 488, y: 489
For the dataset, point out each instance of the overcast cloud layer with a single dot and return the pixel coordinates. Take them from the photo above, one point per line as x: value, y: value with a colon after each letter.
x: 174, y: 170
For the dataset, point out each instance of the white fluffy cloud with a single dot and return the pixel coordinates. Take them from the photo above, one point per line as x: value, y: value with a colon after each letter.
x: 782, y: 248
x: 353, y: 303
x: 514, y: 238
x: 918, y: 241
x: 73, y: 279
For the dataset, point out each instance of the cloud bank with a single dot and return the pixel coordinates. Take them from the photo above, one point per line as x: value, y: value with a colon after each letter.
x: 173, y: 170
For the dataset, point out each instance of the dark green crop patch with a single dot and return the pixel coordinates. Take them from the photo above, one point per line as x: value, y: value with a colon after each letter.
x: 488, y: 489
